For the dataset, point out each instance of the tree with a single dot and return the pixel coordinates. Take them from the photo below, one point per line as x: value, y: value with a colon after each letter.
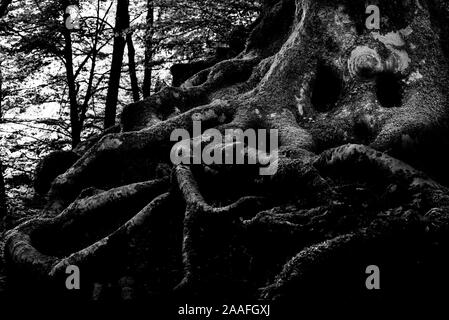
x: 3, y: 10
x: 38, y: 36
x: 121, y: 29
x: 35, y: 76
x: 3, y: 207
x: 71, y: 84
x: 3, y: 210
x: 149, y: 34
x: 132, y: 67
x: 358, y: 113
x: 182, y: 31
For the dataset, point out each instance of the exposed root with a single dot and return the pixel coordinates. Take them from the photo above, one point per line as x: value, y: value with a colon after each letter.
x: 128, y: 157
x: 109, y: 243
x: 160, y: 106
x: 28, y: 246
x: 223, y: 74
x: 197, y: 91
x: 329, y: 207
x: 362, y: 160
x: 197, y: 212
x: 392, y: 230
x: 302, y: 264
x: 195, y: 200
x: 300, y: 173
x: 336, y: 266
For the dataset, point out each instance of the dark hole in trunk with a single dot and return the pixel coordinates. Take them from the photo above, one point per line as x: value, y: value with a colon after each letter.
x: 327, y: 88
x: 389, y: 90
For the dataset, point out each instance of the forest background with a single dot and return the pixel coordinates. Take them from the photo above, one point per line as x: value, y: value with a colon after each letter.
x: 67, y: 68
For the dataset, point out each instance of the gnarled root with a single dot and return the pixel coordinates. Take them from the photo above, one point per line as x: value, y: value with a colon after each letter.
x: 88, y: 228
x: 223, y: 241
x: 128, y: 157
x: 200, y: 90
x: 395, y: 237
x: 199, y: 217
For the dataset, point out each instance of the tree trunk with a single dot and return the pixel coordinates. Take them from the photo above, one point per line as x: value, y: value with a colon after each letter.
x: 1, y: 95
x: 359, y: 176
x: 3, y: 208
x: 121, y: 26
x: 148, y: 63
x: 3, y: 10
x: 73, y: 100
x: 132, y: 68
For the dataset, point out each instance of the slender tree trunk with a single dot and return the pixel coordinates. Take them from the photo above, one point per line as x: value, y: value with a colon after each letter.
x: 146, y: 89
x: 132, y: 67
x: 3, y: 209
x: 74, y: 118
x: 70, y: 77
x: 2, y: 183
x: 89, y: 91
x: 3, y: 10
x: 121, y: 24
x: 1, y: 96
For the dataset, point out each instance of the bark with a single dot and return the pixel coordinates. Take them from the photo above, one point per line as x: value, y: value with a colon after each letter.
x: 3, y: 10
x: 132, y: 68
x: 121, y: 26
x: 353, y: 187
x: 3, y: 208
x: 73, y: 100
x: 148, y: 63
x: 1, y: 96
x: 77, y: 110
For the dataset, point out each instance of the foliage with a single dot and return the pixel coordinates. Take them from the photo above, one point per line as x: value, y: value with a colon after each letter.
x: 35, y: 102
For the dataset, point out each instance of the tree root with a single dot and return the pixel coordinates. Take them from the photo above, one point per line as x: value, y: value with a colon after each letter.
x: 412, y: 225
x: 369, y: 162
x: 336, y: 266
x: 131, y: 156
x: 196, y: 216
x: 223, y: 74
x: 424, y: 205
x: 21, y: 242
x: 331, y: 205
x: 195, y: 92
x: 160, y: 106
x: 109, y: 243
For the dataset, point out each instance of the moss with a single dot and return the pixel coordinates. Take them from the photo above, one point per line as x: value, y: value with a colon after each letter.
x: 328, y: 203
